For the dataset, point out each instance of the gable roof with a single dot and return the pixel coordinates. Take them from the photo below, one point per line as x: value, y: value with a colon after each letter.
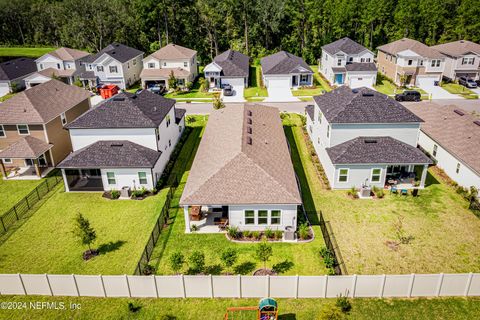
x: 233, y: 63
x: 164, y: 73
x: 413, y: 45
x: 376, y: 150
x: 283, y: 63
x: 361, y: 66
x: 17, y: 68
x: 458, y: 134
x: 67, y: 54
x: 126, y: 110
x: 118, y: 51
x: 173, y: 51
x: 363, y: 105
x: 111, y: 154
x: 49, y: 72
x: 27, y: 147
x: 345, y: 45
x: 229, y: 170
x: 42, y: 103
x: 458, y: 48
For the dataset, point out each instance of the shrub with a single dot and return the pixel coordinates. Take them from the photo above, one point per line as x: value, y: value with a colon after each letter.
x: 229, y: 257
x: 353, y: 192
x: 269, y: 233
x: 247, y: 234
x: 189, y: 85
x: 278, y: 234
x: 328, y: 257
x: 380, y: 193
x: 148, y: 270
x: 176, y: 261
x: 197, y: 261
x: 343, y: 303
x: 256, y: 235
x: 115, y: 194
x: 133, y: 307
x: 304, y: 231
x: 218, y: 103
x: 138, y: 193
x: 330, y: 312
x: 233, y: 232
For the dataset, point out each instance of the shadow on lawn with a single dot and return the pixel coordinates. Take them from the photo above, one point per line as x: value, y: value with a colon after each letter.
x: 110, y: 246
x: 244, y: 268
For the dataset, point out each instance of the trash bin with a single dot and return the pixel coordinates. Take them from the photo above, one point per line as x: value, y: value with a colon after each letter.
x: 436, y: 83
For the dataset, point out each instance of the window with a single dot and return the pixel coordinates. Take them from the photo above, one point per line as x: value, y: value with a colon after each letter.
x: 58, y: 66
x: 304, y: 78
x: 328, y: 131
x: 376, y: 174
x: 368, y: 60
x: 275, y: 217
x: 7, y: 160
x: 435, y: 147
x: 435, y: 63
x: 99, y: 68
x: 262, y: 217
x: 23, y: 129
x: 458, y: 168
x: 185, y: 64
x: 63, y: 118
x: 142, y: 178
x: 468, y: 61
x: 320, y: 117
x: 41, y: 66
x: 128, y: 65
x: 249, y: 217
x: 169, y: 142
x: 134, y: 62
x: 113, y: 69
x: 343, y: 175
x: 410, y: 62
x: 111, y: 178
x: 350, y: 59
x: 164, y: 64
x: 168, y: 120
x: 2, y: 132
x: 151, y: 65
x: 157, y: 133
x: 420, y: 62
x: 386, y: 57
x: 362, y: 59
x: 339, y: 62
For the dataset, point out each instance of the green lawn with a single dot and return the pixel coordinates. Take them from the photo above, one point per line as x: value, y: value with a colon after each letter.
x: 299, y: 309
x: 6, y: 97
x: 320, y: 84
x: 388, y: 88
x: 255, y: 89
x: 12, y: 191
x: 320, y: 79
x: 23, y: 52
x: 45, y: 243
x: 460, y: 90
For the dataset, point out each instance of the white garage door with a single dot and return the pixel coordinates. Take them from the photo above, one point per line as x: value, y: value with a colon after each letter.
x: 358, y: 82
x: 279, y: 83
x: 426, y: 81
x: 234, y: 81
x: 4, y: 89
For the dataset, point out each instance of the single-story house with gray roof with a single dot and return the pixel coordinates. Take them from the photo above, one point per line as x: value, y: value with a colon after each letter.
x: 285, y: 70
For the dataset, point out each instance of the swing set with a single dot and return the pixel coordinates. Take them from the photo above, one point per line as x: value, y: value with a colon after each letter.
x: 267, y: 309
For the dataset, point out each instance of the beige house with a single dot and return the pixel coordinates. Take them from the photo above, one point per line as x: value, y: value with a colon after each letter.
x: 32, y: 135
x: 410, y: 62
x: 158, y: 66
x: 462, y: 58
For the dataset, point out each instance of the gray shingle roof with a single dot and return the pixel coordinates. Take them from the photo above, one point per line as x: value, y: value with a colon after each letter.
x: 363, y: 105
x: 376, y: 150
x: 126, y: 110
x: 233, y: 63
x: 361, y: 66
x: 17, y: 68
x: 346, y: 45
x: 310, y: 111
x: 283, y: 63
x: 179, y: 114
x: 111, y: 154
x: 117, y: 51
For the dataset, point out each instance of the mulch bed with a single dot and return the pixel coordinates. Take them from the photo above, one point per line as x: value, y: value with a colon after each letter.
x: 89, y: 254
x: 264, y: 272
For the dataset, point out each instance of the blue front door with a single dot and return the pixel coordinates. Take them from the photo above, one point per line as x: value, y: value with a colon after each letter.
x: 339, y: 78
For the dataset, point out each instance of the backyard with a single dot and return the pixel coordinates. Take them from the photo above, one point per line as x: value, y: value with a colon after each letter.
x: 12, y: 52
x: 255, y: 91
x: 13, y: 191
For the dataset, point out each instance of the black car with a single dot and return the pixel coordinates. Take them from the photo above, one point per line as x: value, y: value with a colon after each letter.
x: 467, y: 82
x: 408, y: 95
x: 227, y: 90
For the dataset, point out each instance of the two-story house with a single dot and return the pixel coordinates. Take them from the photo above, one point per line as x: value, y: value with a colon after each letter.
x: 462, y: 58
x: 115, y: 64
x: 13, y: 74
x: 32, y: 135
x: 172, y: 58
x: 364, y: 138
x: 346, y: 62
x: 62, y: 64
x: 410, y: 62
x: 125, y: 141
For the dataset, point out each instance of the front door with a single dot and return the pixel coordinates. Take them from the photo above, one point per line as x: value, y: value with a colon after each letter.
x: 29, y: 162
x: 295, y: 80
x: 42, y: 162
x: 339, y: 78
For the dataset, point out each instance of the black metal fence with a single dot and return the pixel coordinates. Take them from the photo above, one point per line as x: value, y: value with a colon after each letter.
x: 19, y: 210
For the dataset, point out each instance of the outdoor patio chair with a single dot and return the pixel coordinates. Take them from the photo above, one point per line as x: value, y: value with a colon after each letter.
x: 404, y: 192
x: 223, y: 226
x: 394, y: 190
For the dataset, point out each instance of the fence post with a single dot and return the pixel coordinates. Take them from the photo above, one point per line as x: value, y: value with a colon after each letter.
x: 326, y: 284
x: 410, y: 286
x: 38, y: 195
x: 23, y: 284
x: 439, y: 284
x: 354, y: 285
x: 155, y: 285
x: 49, y: 285
x: 239, y: 286
x: 3, y: 224
x: 15, y: 210
x: 26, y: 200
x: 469, y: 282
x: 183, y: 285
x: 128, y: 286
x: 48, y: 187
x: 296, y: 286
x: 211, y: 287
x: 103, y: 286
x: 382, y: 286
x: 76, y: 285
x: 268, y: 286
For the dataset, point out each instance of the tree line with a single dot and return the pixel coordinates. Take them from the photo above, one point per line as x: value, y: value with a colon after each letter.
x: 255, y: 27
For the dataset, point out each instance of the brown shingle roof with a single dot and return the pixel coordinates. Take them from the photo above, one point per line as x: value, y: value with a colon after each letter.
x: 49, y: 72
x: 458, y: 48
x: 68, y: 54
x: 455, y: 133
x: 410, y: 44
x: 163, y: 73
x: 27, y: 147
x: 228, y: 170
x: 42, y: 103
x: 173, y: 51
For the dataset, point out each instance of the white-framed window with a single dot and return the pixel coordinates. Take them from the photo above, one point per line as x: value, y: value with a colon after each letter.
x: 362, y: 59
x: 111, y: 178
x: 350, y: 59
x: 458, y: 168
x: 151, y: 65
x: 142, y: 178
x: 113, y: 69
x: 303, y: 77
x: 410, y: 62
x: 23, y: 129
x: 185, y: 64
x: 275, y: 216
x: 157, y: 133
x: 169, y: 142
x: 339, y: 62
x: 435, y: 63
x: 320, y: 117
x: 41, y: 66
x: 58, y: 66
x: 134, y: 62
x: 468, y: 60
x: 376, y: 175
x: 100, y: 68
x: 164, y: 64
x: 368, y: 60
x: 63, y: 118
x: 328, y: 131
x: 2, y: 131
x: 249, y: 216
x: 343, y: 175
x: 420, y: 62
x: 7, y: 161
x: 168, y: 120
x: 434, y: 153
x: 262, y: 217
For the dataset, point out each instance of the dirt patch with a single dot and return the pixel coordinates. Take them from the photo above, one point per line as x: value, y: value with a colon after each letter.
x: 264, y: 272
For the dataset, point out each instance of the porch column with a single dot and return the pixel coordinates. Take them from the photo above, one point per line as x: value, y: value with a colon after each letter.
x: 424, y: 175
x: 2, y: 170
x: 65, y: 181
x: 187, y: 219
x: 37, y: 168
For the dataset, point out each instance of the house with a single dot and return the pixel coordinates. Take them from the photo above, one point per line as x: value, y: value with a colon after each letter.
x: 115, y: 64
x: 284, y: 70
x: 32, y: 136
x: 362, y: 137
x: 410, y: 62
x: 230, y: 67
x: 158, y: 66
x: 452, y: 137
x: 346, y: 62
x: 462, y: 58
x: 242, y: 174
x: 125, y: 141
x: 62, y: 64
x: 13, y: 73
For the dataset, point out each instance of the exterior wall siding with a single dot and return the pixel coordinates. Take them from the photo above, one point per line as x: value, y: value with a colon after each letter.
x: 127, y: 177
x: 358, y: 175
x: 12, y: 135
x: 387, y: 67
x: 288, y: 216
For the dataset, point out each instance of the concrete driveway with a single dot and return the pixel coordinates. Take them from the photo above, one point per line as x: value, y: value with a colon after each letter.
x: 438, y: 93
x: 280, y: 94
x: 477, y: 90
x: 237, y: 95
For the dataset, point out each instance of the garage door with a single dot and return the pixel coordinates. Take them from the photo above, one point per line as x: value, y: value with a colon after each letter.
x: 233, y: 81
x: 279, y: 83
x: 357, y: 82
x: 426, y: 81
x: 4, y: 89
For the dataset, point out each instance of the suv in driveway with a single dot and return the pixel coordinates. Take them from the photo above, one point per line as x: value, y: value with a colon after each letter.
x: 227, y: 90
x: 467, y: 82
x: 408, y: 95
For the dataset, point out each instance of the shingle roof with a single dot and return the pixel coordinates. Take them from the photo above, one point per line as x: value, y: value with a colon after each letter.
x: 361, y: 66
x: 376, y: 150
x: 118, y: 51
x: 229, y: 170
x: 455, y: 133
x: 17, y: 68
x: 42, y: 103
x: 164, y: 73
x: 27, y: 147
x: 57, y: 73
x: 458, y: 48
x: 233, y: 63
x: 173, y: 51
x: 363, y: 105
x: 283, y: 63
x: 112, y: 154
x: 410, y: 44
x: 126, y: 110
x: 310, y: 111
x: 68, y: 54
x: 346, y: 45
x: 179, y: 114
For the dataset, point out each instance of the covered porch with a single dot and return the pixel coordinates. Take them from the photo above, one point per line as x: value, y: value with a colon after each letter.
x: 302, y: 79
x: 406, y: 176
x: 206, y: 219
x: 83, y: 180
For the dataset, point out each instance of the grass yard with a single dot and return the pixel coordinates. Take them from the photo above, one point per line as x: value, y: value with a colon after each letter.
x: 318, y: 78
x: 317, y: 81
x: 255, y: 89
x: 45, y: 243
x: 390, y: 89
x: 23, y: 52
x: 13, y: 191
x: 460, y: 90
x: 6, y: 97
x: 289, y: 309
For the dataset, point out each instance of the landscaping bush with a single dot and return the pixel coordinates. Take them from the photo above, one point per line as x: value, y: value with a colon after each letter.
x: 115, y: 194
x: 229, y: 257
x: 380, y: 193
x: 196, y: 262
x: 247, y: 234
x: 269, y: 233
x: 278, y: 234
x: 176, y: 261
x: 256, y: 235
x: 148, y: 270
x: 353, y: 193
x: 139, y: 193
x: 194, y: 228
x: 304, y: 231
x: 330, y: 312
x: 343, y: 303
x: 328, y: 258
x: 233, y: 232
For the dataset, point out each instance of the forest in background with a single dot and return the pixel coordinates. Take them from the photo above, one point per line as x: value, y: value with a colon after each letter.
x: 255, y: 27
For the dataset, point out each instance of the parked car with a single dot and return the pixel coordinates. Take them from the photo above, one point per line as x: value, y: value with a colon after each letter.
x: 157, y: 88
x: 227, y: 90
x: 477, y: 82
x: 408, y: 95
x: 467, y: 82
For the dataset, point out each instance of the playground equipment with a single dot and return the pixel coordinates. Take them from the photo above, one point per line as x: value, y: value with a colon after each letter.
x: 267, y: 309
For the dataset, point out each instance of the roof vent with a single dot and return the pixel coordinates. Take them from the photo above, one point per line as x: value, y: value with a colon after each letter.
x: 249, y: 130
x: 118, y: 99
x: 367, y: 94
x: 370, y: 141
x: 117, y: 144
x: 249, y: 140
x: 459, y: 112
x: 113, y: 52
x: 477, y: 122
x: 249, y: 120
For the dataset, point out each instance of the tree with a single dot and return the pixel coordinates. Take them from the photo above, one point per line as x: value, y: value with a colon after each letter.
x: 217, y: 102
x: 264, y: 252
x: 197, y: 261
x: 84, y: 231
x: 176, y: 261
x: 172, y: 81
x: 229, y: 257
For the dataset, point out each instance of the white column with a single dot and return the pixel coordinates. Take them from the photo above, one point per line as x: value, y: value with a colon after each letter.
x: 424, y: 176
x: 65, y: 181
x: 187, y: 219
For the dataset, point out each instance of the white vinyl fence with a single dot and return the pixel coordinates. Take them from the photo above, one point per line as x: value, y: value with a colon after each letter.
x: 414, y: 285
